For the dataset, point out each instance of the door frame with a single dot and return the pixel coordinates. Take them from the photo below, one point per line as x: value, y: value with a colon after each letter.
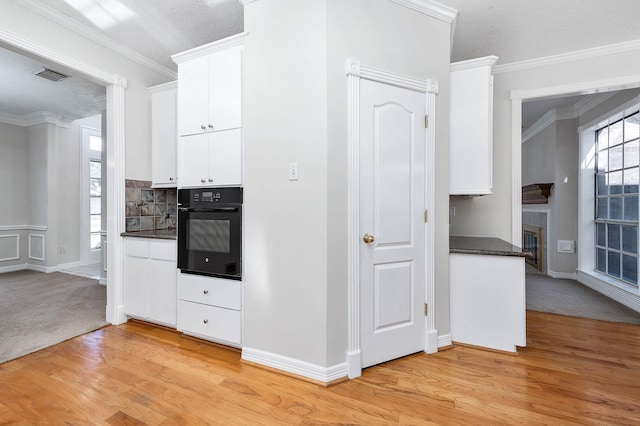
x: 355, y: 72
x: 115, y: 145
x: 86, y: 254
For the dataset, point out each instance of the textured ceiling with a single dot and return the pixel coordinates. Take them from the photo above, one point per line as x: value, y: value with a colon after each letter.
x: 513, y: 30
x: 517, y: 30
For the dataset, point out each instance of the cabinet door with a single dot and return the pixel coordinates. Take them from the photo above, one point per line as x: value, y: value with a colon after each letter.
x: 225, y: 157
x: 163, y: 138
x: 162, y: 291
x: 136, y: 286
x: 193, y: 96
x: 225, y: 89
x: 193, y: 161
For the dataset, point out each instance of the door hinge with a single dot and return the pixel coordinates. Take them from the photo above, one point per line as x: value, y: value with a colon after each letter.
x: 426, y: 216
x: 426, y: 309
x: 426, y: 121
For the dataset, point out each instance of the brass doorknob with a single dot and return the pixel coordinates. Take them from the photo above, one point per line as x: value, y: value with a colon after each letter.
x: 368, y: 238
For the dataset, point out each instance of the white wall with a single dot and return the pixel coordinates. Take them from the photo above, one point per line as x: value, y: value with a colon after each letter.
x: 296, y: 111
x: 492, y: 215
x: 18, y: 20
x: 13, y: 175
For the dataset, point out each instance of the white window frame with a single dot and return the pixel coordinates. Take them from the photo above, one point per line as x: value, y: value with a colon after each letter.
x: 88, y: 256
x: 586, y: 211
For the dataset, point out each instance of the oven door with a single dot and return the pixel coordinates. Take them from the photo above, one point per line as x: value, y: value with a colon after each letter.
x: 209, y: 241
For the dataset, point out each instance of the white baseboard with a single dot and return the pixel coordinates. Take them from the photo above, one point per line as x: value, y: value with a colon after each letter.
x: 445, y: 340
x: 102, y: 281
x: 615, y: 292
x: 354, y: 364
x: 431, y: 341
x: 69, y: 265
x: 13, y: 268
x: 295, y: 366
x: 562, y: 275
x: 40, y: 268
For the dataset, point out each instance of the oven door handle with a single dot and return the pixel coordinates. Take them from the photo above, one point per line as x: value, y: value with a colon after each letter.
x: 208, y: 210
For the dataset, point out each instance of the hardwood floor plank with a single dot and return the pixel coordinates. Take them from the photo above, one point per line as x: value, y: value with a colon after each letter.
x: 573, y: 371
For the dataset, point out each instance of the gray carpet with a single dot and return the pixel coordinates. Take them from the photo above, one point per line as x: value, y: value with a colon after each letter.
x: 38, y: 310
x: 568, y: 297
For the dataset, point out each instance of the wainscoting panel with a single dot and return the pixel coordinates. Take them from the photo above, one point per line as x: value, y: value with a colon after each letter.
x: 9, y: 247
x: 36, y: 247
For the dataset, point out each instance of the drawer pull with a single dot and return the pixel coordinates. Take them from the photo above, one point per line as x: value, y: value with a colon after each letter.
x: 206, y: 292
x: 206, y: 321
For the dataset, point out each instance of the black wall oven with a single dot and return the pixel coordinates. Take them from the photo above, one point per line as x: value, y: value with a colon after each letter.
x: 210, y: 232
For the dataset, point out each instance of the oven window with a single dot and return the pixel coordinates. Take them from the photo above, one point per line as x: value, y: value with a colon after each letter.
x: 209, y: 235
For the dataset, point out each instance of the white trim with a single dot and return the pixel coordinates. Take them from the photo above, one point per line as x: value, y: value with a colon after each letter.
x: 562, y: 275
x: 87, y: 255
x: 627, y: 295
x: 17, y: 256
x: 633, y: 103
x: 607, y: 85
x: 444, y: 340
x: 68, y: 265
x: 430, y: 8
x: 582, y: 106
x: 32, y: 245
x: 57, y: 57
x: 516, y: 172
x: 355, y: 71
x: 562, y: 58
x: 172, y: 85
x: 295, y: 366
x: 245, y: 2
x: 23, y: 228
x: 95, y: 36
x: 14, y: 120
x: 485, y: 61
x: 115, y: 130
x: 13, y: 268
x: 206, y: 49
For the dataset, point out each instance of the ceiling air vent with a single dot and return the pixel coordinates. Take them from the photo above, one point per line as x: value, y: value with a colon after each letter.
x: 48, y: 74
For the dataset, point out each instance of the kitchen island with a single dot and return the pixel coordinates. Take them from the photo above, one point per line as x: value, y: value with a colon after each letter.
x: 487, y: 293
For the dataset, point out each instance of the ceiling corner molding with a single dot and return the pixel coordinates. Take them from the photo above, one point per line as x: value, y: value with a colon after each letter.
x: 430, y: 8
x: 542, y: 123
x: 95, y: 36
x: 41, y: 117
x: 577, y: 55
x: 474, y: 63
x: 214, y: 46
x: 12, y: 119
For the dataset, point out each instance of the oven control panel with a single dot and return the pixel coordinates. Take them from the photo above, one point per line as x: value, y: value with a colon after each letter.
x: 207, y: 196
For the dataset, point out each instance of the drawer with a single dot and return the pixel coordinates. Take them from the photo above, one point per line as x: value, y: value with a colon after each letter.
x: 137, y: 247
x: 210, y: 291
x: 210, y: 322
x: 162, y: 249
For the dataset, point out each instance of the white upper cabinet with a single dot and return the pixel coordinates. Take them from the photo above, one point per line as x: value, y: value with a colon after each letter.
x: 210, y: 87
x: 163, y: 135
x: 471, y: 127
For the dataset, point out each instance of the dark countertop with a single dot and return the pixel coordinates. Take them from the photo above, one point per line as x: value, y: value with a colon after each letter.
x: 485, y: 246
x: 163, y: 234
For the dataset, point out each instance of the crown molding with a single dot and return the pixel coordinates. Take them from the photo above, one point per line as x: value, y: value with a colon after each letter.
x: 33, y: 119
x: 430, y: 8
x: 567, y: 113
x: 95, y: 36
x: 214, y: 46
x: 474, y: 63
x: 562, y: 58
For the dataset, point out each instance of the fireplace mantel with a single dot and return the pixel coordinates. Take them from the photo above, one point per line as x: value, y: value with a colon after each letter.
x: 536, y: 193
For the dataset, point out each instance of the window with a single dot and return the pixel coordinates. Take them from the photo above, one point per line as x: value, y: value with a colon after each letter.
x: 617, y: 180
x: 95, y: 203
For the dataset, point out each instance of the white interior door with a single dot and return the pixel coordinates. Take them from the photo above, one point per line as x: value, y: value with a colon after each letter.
x: 392, y: 205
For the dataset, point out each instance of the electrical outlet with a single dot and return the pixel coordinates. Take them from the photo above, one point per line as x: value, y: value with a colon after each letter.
x: 63, y: 249
x: 294, y: 172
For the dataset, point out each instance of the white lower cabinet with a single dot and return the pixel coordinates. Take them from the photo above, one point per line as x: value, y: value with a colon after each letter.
x: 150, y: 280
x: 210, y: 308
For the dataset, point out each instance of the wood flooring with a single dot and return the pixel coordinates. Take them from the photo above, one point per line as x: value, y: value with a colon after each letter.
x: 573, y: 371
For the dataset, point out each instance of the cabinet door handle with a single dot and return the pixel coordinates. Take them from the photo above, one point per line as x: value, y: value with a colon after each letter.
x: 210, y: 180
x: 170, y: 179
x: 203, y: 180
x: 211, y: 126
x: 202, y: 127
x: 206, y: 292
x: 206, y: 321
